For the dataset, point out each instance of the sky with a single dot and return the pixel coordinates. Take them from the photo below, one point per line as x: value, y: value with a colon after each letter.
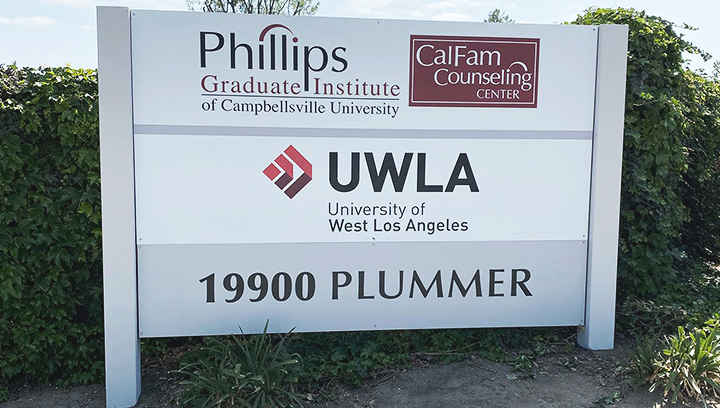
x: 61, y: 32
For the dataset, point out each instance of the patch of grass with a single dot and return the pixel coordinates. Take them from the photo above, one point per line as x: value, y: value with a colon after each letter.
x: 643, y: 365
x: 242, y: 372
x: 688, y: 366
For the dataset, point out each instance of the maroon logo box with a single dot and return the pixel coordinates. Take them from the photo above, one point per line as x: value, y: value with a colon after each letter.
x: 473, y: 71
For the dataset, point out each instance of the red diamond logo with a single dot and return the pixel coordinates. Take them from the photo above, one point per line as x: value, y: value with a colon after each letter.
x: 282, y: 169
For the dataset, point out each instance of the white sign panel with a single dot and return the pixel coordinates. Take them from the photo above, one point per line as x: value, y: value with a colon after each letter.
x: 216, y: 190
x: 290, y: 72
x: 391, y: 175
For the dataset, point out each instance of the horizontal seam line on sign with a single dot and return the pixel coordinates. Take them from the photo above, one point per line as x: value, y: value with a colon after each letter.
x: 558, y: 323
x: 197, y: 130
x: 366, y: 242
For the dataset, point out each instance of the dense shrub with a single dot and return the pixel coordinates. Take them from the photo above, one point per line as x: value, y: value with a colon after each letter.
x: 701, y: 188
x: 669, y: 206
x: 50, y: 260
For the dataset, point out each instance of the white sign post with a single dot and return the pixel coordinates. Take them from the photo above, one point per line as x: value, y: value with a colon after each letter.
x: 392, y: 175
x: 122, y: 344
x: 599, y: 329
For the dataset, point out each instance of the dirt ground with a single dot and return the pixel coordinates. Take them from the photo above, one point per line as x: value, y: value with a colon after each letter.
x: 573, y: 379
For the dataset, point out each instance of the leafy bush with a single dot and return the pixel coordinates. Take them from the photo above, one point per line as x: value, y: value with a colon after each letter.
x: 701, y: 182
x: 50, y: 261
x: 689, y: 365
x: 652, y: 212
x: 255, y: 371
x: 670, y: 206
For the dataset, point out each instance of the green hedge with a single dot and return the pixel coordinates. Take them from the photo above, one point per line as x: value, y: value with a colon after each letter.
x: 701, y: 187
x: 50, y: 260
x: 669, y: 206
